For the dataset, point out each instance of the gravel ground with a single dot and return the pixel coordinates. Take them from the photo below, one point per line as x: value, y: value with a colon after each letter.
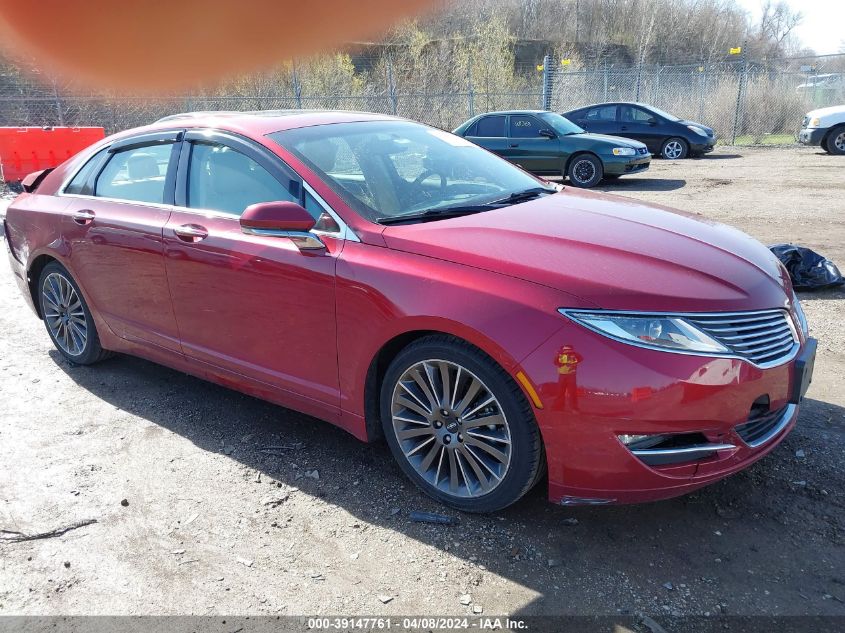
x: 196, y: 515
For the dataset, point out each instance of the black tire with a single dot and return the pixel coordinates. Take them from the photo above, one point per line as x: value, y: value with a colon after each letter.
x: 527, y: 460
x: 835, y: 141
x: 585, y: 171
x: 674, y: 148
x: 68, y: 320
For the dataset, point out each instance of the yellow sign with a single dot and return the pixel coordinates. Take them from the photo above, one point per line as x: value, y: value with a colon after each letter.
x: 565, y: 62
x: 736, y: 51
x: 540, y: 66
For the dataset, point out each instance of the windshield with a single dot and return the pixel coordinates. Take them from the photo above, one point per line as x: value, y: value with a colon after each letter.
x: 390, y: 168
x: 659, y: 112
x: 561, y: 124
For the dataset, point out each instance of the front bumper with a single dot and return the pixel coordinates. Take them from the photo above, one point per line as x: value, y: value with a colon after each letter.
x: 606, y: 389
x: 812, y: 136
x: 703, y: 146
x: 622, y: 165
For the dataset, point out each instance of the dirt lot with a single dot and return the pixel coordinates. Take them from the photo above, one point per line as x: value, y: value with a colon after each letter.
x: 215, y: 525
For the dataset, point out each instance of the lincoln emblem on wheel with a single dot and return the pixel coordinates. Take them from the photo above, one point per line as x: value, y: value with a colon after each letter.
x: 405, y: 284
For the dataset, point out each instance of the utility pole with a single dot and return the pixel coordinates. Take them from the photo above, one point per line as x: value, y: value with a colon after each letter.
x: 547, y: 82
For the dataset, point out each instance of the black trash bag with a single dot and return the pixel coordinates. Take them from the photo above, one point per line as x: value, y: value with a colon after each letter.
x: 806, y: 268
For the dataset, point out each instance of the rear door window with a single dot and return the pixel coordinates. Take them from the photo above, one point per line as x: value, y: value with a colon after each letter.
x: 602, y: 113
x: 491, y: 127
x: 137, y: 174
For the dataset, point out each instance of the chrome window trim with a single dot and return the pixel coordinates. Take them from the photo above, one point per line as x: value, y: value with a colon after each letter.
x: 345, y: 233
x: 793, y: 352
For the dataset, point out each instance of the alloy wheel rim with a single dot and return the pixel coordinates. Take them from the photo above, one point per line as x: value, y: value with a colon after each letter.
x: 673, y: 149
x: 584, y: 171
x: 451, y: 428
x: 64, y: 314
x: 840, y: 142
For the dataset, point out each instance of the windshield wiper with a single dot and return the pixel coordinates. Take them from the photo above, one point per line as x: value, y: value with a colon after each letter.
x: 435, y: 214
x: 456, y: 211
x: 520, y: 196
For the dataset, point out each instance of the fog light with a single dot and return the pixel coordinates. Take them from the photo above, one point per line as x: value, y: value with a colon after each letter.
x: 630, y: 439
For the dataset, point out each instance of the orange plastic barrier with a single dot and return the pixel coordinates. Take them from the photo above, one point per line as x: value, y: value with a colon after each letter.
x: 27, y: 149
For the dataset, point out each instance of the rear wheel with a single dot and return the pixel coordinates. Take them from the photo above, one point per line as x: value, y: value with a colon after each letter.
x: 835, y: 142
x: 585, y: 170
x: 67, y: 317
x: 674, y: 149
x: 458, y: 426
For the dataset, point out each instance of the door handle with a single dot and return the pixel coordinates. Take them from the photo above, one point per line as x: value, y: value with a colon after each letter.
x: 191, y: 232
x: 624, y: 127
x: 514, y: 144
x: 83, y: 217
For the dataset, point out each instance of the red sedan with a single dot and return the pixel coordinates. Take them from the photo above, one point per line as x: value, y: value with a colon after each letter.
x: 401, y: 282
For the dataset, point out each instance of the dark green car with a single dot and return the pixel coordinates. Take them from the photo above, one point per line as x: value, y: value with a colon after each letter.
x: 547, y: 144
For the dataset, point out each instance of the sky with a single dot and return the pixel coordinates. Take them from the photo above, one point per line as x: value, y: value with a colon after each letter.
x: 821, y: 28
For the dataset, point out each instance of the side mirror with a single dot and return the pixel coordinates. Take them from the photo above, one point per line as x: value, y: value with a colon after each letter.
x: 652, y: 122
x: 281, y: 219
x: 547, y: 133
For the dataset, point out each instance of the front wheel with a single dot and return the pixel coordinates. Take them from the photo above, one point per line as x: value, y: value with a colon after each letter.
x: 67, y: 317
x: 458, y: 425
x: 585, y: 171
x: 835, y: 142
x: 674, y: 149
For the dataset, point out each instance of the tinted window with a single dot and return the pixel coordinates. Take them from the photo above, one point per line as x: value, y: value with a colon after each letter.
x: 223, y: 179
x: 602, y: 113
x: 79, y: 183
x: 635, y: 115
x: 491, y: 126
x: 136, y: 174
x: 525, y: 126
x: 388, y: 168
x: 471, y: 130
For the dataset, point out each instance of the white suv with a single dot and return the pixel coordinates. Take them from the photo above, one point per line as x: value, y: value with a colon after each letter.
x: 825, y: 127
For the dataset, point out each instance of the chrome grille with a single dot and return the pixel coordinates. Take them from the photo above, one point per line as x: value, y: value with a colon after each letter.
x: 764, y: 338
x: 758, y: 429
x: 805, y: 121
x: 642, y: 150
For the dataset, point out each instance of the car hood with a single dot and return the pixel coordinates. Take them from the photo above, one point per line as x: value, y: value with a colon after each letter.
x: 615, y: 141
x: 608, y: 252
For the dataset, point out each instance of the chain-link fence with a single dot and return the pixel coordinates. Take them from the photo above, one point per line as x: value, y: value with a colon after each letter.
x: 746, y: 102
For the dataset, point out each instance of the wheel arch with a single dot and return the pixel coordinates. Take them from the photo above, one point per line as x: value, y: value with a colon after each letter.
x: 390, y: 348
x: 835, y: 128
x: 576, y: 154
x: 34, y: 274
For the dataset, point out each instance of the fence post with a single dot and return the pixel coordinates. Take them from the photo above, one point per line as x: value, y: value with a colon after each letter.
x: 657, y: 86
x: 739, y: 91
x: 702, y: 88
x: 470, y: 92
x: 297, y: 87
x: 391, y: 87
x: 605, y: 80
x: 547, y: 83
x: 639, y: 78
x: 59, y: 109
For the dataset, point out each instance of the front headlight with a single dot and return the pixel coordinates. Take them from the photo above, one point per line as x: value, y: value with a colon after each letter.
x: 697, y: 130
x: 624, y: 151
x: 668, y: 333
x: 814, y: 122
x: 799, y: 312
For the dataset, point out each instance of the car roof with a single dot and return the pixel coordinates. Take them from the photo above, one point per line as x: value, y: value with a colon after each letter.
x: 259, y: 122
x: 612, y: 103
x: 514, y: 112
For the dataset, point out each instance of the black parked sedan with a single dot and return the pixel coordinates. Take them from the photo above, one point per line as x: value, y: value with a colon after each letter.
x: 663, y: 133
x: 547, y: 144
